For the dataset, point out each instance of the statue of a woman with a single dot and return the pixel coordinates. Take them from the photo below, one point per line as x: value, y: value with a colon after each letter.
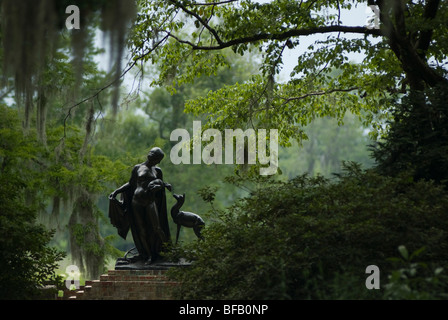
x: 144, y: 208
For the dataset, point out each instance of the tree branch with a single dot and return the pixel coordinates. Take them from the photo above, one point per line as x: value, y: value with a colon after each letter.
x: 281, y: 36
x: 398, y: 9
x: 320, y: 93
x: 204, y: 23
x: 425, y: 36
x: 213, y: 3
x: 412, y: 61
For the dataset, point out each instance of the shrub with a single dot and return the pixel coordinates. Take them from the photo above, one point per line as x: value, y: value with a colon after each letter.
x: 312, y: 237
x: 27, y: 261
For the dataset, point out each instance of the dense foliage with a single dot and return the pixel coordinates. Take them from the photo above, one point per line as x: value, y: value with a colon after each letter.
x: 418, y: 137
x: 405, y: 51
x: 27, y: 262
x: 312, y: 238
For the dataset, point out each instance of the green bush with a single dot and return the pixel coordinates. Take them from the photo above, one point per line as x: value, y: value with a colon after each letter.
x: 312, y: 238
x: 27, y: 261
x: 416, y: 280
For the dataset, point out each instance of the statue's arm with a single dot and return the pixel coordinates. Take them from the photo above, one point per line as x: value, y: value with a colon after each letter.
x: 160, y: 176
x: 127, y: 185
x: 119, y: 190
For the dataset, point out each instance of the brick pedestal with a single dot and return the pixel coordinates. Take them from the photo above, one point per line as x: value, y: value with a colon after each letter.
x: 126, y: 285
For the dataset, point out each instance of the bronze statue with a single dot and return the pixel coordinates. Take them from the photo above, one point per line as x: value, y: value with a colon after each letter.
x: 143, y: 208
x: 186, y: 219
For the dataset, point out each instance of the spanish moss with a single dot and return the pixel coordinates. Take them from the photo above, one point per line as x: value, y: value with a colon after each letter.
x: 30, y: 31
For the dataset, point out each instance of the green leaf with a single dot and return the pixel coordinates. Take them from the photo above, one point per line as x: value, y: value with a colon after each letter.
x: 403, y: 252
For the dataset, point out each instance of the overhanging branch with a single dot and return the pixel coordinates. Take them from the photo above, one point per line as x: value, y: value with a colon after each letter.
x: 281, y: 36
x: 319, y: 93
x: 212, y: 3
x: 202, y: 21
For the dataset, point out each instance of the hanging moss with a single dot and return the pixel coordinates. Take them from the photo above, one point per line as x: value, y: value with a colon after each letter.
x: 30, y: 31
x: 86, y: 245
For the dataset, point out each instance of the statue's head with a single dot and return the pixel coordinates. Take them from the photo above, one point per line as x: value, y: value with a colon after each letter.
x: 155, y: 155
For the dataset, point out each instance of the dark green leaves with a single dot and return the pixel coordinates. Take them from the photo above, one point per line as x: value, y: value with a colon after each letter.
x: 312, y: 238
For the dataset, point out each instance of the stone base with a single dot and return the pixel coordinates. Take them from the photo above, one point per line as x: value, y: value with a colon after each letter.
x: 123, y: 264
x: 126, y: 285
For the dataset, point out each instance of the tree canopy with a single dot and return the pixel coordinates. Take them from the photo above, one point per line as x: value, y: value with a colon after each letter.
x: 406, y: 52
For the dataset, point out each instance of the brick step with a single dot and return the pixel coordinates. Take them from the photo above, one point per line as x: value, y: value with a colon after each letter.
x: 125, y: 285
